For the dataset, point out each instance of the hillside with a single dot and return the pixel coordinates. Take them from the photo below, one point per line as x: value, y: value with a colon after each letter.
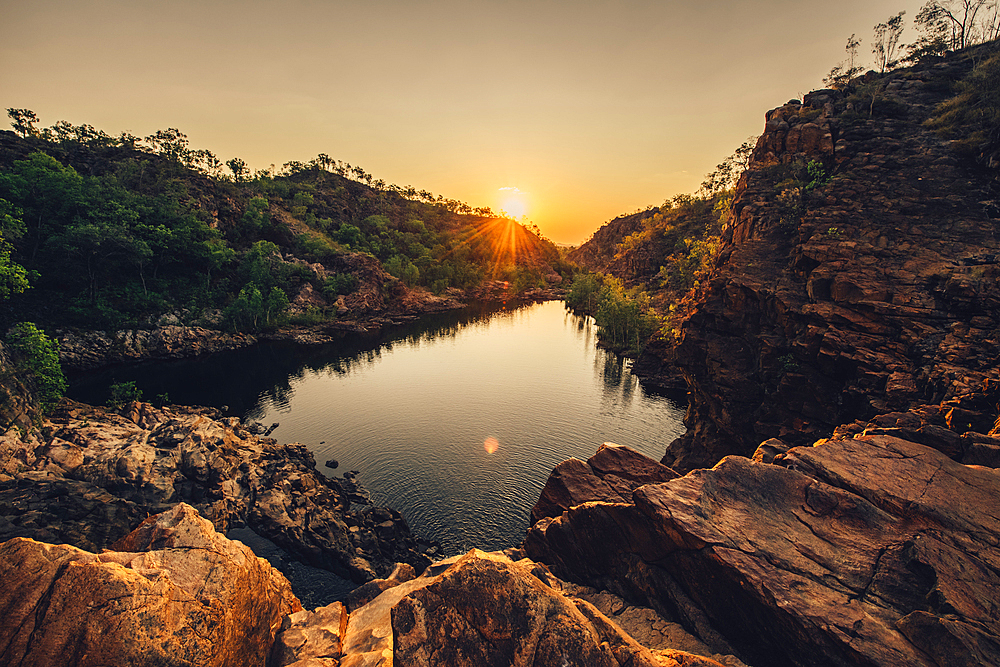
x: 117, y: 232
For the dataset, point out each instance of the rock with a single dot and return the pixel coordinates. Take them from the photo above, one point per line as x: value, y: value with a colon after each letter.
x: 610, y: 475
x: 310, y: 636
x: 176, y: 593
x: 86, y: 350
x: 872, y: 550
x: 487, y: 610
x: 836, y: 301
x: 96, y: 474
x: 332, y: 463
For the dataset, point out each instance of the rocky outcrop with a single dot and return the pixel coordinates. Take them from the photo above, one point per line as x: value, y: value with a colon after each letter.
x: 864, y: 286
x: 872, y: 550
x: 89, y: 476
x: 86, y: 350
x: 598, y: 253
x: 173, y: 592
x: 17, y: 406
x: 484, y: 609
x: 610, y: 475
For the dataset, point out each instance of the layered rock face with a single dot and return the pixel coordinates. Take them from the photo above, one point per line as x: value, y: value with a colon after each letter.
x: 86, y: 350
x: 871, y: 550
x: 842, y: 299
x: 89, y: 476
x: 173, y: 592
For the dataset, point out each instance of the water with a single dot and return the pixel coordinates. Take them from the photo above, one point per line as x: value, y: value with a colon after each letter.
x: 416, y: 411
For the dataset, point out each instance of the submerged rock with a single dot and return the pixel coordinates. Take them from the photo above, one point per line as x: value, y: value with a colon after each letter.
x: 173, y: 592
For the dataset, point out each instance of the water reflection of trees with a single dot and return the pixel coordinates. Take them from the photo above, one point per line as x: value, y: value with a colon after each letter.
x: 245, y: 381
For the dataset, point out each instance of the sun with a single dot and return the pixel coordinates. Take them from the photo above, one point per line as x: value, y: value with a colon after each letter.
x: 513, y: 202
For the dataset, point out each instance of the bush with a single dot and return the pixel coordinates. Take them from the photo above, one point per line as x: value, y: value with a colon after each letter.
x: 340, y: 283
x: 38, y: 356
x: 121, y: 393
x: 582, y: 294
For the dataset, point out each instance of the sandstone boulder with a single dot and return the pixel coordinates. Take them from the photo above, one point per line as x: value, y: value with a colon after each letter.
x: 177, y: 593
x: 610, y: 475
x: 865, y: 551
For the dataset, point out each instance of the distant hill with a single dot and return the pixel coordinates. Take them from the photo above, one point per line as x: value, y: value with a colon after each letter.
x: 120, y: 230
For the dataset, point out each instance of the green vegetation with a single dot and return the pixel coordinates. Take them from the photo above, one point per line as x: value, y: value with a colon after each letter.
x: 113, y: 231
x: 625, y: 316
x: 122, y: 393
x: 36, y: 356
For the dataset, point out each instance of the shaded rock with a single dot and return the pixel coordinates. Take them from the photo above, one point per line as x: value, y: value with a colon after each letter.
x: 90, y: 475
x: 186, y: 595
x: 870, y: 290
x: 610, y: 475
x: 865, y: 551
x: 86, y: 350
x: 310, y: 636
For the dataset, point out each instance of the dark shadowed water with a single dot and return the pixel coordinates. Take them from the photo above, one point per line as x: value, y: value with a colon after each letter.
x: 416, y: 411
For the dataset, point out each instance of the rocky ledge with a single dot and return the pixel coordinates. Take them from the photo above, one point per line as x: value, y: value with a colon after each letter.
x: 87, y: 350
x: 175, y: 592
x: 89, y: 475
x: 869, y: 549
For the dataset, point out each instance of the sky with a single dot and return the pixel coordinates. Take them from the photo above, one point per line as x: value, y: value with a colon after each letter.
x: 568, y: 113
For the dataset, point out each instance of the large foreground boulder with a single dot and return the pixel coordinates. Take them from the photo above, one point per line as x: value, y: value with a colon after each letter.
x: 174, y: 592
x: 481, y: 610
x: 865, y: 551
x: 610, y: 475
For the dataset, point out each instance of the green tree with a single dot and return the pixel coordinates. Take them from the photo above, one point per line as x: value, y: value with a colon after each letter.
x: 38, y: 356
x: 48, y: 194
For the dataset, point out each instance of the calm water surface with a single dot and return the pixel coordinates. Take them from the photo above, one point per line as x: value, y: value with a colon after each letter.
x: 413, y: 411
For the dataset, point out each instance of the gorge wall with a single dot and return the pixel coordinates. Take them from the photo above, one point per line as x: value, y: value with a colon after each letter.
x: 860, y: 288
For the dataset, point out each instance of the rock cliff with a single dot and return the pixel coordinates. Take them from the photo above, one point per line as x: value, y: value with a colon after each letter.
x: 864, y: 283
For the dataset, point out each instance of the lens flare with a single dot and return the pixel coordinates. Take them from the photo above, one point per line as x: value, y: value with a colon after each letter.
x: 490, y: 445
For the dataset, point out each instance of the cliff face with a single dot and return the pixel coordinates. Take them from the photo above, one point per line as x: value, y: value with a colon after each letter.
x: 858, y: 274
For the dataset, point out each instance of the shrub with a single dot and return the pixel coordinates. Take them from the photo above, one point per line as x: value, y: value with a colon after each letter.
x: 121, y: 393
x: 38, y: 356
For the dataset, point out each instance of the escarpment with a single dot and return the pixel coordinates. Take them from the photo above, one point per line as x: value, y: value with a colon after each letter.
x: 858, y: 273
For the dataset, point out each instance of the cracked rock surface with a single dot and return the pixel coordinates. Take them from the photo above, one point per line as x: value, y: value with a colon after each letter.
x: 871, y: 550
x: 173, y: 592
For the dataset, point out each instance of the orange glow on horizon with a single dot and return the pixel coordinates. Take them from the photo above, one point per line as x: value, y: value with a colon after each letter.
x: 491, y: 445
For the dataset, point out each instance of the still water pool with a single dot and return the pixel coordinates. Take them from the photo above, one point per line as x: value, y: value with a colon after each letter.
x: 455, y: 421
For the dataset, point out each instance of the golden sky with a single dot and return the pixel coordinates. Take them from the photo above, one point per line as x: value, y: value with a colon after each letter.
x: 572, y: 112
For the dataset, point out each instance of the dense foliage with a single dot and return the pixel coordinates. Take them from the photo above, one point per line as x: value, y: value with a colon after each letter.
x: 36, y: 357
x: 116, y: 231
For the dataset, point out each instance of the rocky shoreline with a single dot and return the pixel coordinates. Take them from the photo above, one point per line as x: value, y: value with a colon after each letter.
x: 87, y: 350
x: 89, y: 475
